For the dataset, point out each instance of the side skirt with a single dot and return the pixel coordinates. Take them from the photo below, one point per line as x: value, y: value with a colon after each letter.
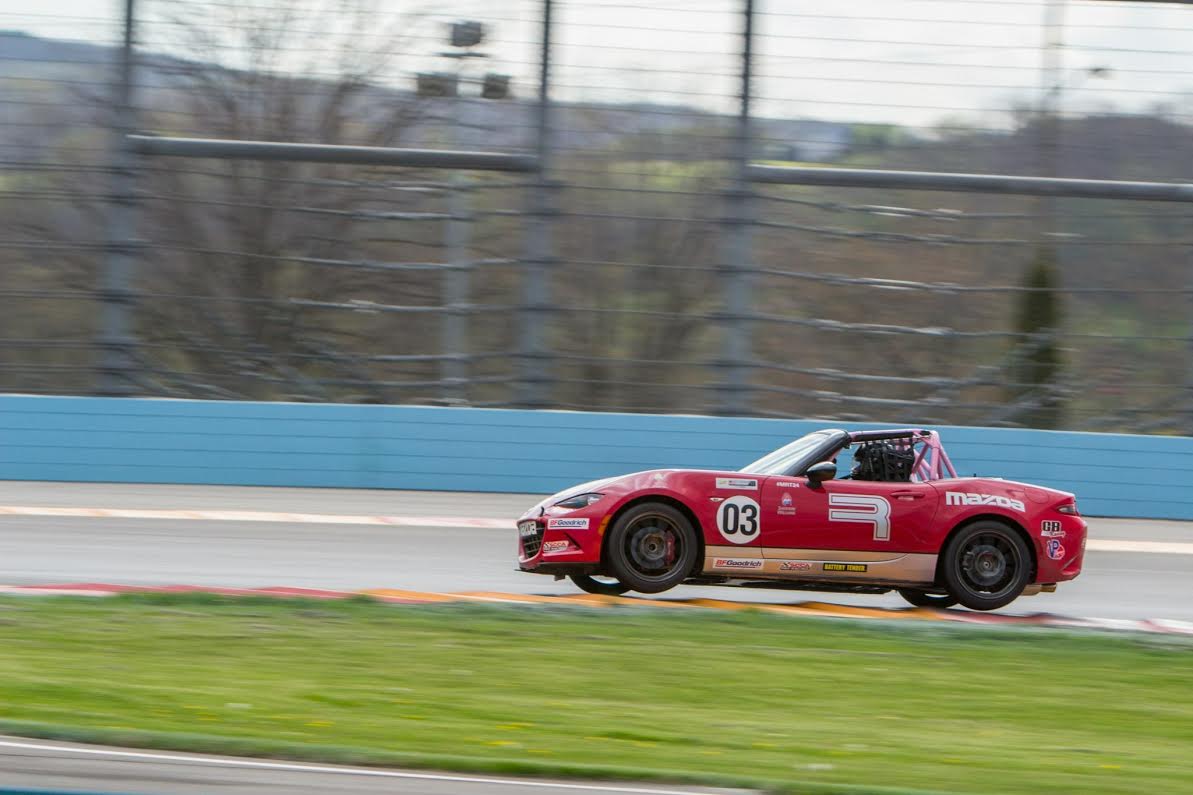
x: 821, y: 565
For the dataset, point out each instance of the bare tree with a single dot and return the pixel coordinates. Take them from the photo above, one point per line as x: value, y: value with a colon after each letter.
x: 247, y: 256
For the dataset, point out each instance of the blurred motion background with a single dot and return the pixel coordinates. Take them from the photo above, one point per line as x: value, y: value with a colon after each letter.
x: 633, y: 269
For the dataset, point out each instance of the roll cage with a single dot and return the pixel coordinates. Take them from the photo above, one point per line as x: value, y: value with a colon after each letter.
x: 928, y: 459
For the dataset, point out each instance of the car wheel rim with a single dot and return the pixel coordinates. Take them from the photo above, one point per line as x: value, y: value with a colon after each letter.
x: 654, y: 546
x: 990, y: 564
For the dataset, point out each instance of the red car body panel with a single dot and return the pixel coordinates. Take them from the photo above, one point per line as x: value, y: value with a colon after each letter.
x: 775, y: 527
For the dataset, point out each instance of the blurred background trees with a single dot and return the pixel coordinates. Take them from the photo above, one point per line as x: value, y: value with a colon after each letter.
x: 274, y: 280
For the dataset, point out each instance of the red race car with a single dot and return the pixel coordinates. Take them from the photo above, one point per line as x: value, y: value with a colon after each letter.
x: 901, y: 519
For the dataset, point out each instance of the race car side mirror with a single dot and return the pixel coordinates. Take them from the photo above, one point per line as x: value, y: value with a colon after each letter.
x: 818, y: 473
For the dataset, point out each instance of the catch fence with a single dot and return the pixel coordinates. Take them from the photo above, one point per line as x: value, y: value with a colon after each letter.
x: 650, y: 207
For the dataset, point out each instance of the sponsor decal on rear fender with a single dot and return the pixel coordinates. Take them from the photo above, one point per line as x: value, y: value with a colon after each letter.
x: 969, y: 498
x: 1050, y: 528
x: 1056, y: 550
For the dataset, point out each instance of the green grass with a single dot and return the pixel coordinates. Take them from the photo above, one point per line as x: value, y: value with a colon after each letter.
x: 730, y: 698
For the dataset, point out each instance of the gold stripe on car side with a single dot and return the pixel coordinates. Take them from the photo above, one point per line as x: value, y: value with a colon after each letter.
x: 819, y: 564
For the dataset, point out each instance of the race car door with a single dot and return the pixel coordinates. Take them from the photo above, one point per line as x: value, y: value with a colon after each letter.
x: 846, y: 515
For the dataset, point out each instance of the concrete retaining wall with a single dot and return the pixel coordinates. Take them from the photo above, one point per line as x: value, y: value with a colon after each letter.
x: 456, y: 449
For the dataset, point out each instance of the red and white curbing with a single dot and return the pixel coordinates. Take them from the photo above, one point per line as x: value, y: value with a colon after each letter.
x: 1160, y: 626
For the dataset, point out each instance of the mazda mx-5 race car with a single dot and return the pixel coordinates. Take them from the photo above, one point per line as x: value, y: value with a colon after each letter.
x: 900, y: 519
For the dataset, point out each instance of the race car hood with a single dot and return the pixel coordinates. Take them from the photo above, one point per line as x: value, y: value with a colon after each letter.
x: 594, y: 485
x: 572, y: 491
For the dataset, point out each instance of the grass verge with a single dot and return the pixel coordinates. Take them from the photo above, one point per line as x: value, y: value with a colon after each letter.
x: 806, y: 705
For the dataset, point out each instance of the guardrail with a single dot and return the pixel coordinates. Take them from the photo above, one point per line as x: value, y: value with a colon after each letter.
x: 497, y: 450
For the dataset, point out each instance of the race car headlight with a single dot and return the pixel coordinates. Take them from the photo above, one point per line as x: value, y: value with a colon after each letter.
x: 579, y: 501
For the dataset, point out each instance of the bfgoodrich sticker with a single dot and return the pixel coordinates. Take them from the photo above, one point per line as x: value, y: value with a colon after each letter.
x: 567, y: 524
x: 737, y: 563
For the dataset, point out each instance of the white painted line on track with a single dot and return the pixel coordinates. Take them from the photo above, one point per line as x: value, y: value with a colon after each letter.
x: 257, y: 516
x: 1156, y: 547
x: 296, y: 767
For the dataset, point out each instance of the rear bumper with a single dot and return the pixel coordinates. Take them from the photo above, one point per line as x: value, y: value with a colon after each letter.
x: 1060, y: 557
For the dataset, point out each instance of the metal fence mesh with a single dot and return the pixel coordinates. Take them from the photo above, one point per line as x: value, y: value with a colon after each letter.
x: 636, y: 271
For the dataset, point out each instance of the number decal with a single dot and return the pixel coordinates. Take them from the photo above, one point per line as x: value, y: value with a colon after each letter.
x: 862, y: 508
x: 737, y: 519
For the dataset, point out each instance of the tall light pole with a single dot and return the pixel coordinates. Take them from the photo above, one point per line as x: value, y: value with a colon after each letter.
x: 464, y: 38
x: 117, y: 368
x: 1051, y: 75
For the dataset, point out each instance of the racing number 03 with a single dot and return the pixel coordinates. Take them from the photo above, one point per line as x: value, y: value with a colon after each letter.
x: 737, y: 519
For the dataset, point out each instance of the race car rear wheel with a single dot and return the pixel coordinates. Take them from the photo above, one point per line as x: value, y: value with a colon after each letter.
x: 602, y: 585
x: 986, y: 565
x: 651, y: 547
x: 925, y: 599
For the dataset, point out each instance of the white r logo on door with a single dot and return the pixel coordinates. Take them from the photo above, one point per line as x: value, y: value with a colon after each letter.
x: 862, y: 508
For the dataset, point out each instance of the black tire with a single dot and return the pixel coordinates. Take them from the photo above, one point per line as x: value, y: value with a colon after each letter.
x: 651, y: 547
x: 606, y: 586
x: 923, y: 599
x: 986, y: 565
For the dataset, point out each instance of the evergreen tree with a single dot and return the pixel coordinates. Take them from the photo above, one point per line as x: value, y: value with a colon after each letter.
x: 1038, y: 369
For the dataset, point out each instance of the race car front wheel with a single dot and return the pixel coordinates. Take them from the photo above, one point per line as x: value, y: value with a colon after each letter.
x: 602, y: 585
x: 986, y: 565
x: 651, y: 547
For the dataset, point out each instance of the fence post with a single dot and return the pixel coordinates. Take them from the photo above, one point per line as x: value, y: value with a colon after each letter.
x: 456, y: 278
x: 534, y: 381
x: 1189, y: 374
x: 118, y: 374
x: 454, y: 367
x: 737, y: 351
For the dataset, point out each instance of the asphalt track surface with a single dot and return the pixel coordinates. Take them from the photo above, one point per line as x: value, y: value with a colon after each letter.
x: 418, y: 552
x: 231, y: 552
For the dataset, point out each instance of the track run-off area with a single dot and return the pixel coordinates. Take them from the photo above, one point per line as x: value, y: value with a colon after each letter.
x: 431, y: 546
x: 427, y: 548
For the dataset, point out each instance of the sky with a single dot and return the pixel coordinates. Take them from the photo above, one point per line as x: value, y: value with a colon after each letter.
x: 910, y: 62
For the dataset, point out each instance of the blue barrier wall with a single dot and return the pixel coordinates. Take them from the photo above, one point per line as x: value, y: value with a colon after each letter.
x: 458, y: 449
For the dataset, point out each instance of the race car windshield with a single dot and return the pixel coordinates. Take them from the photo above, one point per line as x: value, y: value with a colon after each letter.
x: 795, y: 457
